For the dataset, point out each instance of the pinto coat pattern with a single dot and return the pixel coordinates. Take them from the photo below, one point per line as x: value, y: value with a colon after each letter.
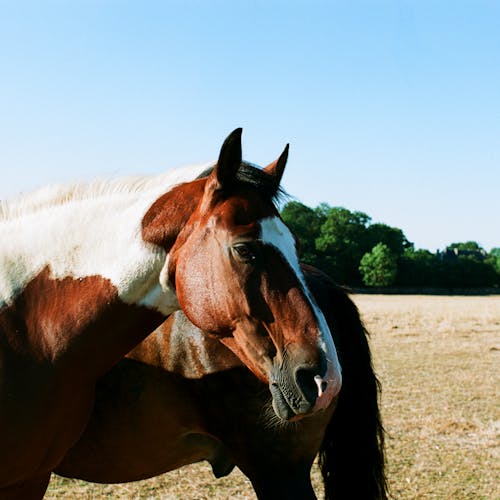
x: 86, y: 273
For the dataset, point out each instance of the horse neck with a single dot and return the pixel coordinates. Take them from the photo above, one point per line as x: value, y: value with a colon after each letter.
x: 97, y: 237
x: 79, y: 277
x: 178, y: 346
x: 95, y: 229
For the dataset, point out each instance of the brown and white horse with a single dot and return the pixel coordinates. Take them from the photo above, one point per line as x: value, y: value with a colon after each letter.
x: 181, y: 397
x: 87, y: 273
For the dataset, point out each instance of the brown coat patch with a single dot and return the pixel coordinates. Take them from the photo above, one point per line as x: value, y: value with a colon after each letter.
x: 56, y: 339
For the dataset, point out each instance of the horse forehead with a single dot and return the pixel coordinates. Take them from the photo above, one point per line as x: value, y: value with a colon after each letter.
x: 244, y: 208
x: 274, y: 232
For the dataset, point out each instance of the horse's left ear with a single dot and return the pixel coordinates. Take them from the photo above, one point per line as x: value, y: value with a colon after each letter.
x: 224, y: 173
x: 229, y: 161
x: 276, y: 168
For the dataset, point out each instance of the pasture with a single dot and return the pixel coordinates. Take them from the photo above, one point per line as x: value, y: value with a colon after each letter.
x: 437, y: 358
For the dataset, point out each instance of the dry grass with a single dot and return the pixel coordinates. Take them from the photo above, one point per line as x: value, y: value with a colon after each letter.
x: 438, y: 360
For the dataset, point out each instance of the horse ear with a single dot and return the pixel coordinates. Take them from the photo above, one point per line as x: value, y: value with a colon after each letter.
x: 276, y: 168
x: 229, y: 160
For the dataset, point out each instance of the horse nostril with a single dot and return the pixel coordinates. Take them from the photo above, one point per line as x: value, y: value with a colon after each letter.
x: 306, y: 382
x: 321, y: 384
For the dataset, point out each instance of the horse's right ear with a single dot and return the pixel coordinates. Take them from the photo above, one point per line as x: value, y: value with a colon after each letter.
x: 276, y: 168
x: 229, y: 162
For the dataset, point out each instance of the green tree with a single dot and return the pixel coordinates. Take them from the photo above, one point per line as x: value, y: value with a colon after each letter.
x: 393, y: 237
x: 468, y: 272
x: 493, y: 259
x: 336, y: 239
x: 341, y: 243
x: 418, y: 268
x: 379, y: 267
x: 468, y: 245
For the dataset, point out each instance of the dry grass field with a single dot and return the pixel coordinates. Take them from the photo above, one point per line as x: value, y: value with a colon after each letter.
x: 438, y: 360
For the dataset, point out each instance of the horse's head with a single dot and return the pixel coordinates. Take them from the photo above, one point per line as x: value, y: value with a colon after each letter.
x: 236, y: 273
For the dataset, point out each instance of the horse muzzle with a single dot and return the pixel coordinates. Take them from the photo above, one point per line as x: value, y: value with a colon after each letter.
x: 303, y: 390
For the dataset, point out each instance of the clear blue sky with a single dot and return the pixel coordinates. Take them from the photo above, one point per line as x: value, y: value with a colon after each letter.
x: 390, y: 107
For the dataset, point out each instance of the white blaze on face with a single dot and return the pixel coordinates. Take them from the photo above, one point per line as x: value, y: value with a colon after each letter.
x: 274, y: 232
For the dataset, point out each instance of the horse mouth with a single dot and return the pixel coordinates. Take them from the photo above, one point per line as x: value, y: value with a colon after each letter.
x: 280, y: 405
x: 288, y: 408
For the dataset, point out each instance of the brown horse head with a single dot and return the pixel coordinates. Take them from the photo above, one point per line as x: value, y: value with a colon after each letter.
x: 236, y: 274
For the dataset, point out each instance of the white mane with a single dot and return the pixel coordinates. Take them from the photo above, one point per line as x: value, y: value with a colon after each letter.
x: 50, y: 196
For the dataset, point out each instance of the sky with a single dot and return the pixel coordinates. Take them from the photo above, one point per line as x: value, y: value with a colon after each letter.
x: 390, y: 107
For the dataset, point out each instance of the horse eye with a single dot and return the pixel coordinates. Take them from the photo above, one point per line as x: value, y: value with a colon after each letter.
x: 245, y: 252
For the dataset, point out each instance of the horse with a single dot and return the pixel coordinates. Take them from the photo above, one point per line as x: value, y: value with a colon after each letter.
x: 88, y: 271
x: 181, y: 397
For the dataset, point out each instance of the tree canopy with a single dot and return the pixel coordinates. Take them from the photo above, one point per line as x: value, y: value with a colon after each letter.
x: 355, y: 251
x: 379, y: 267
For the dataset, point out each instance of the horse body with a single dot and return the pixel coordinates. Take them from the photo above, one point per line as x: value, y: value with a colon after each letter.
x: 181, y: 396
x: 68, y: 315
x: 86, y: 278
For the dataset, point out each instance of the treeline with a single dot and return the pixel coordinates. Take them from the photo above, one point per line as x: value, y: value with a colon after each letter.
x: 357, y: 252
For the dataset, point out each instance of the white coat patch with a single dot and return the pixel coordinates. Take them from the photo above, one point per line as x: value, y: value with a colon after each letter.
x: 88, y: 230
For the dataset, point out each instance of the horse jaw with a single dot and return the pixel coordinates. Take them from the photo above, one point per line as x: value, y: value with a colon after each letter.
x: 248, y: 345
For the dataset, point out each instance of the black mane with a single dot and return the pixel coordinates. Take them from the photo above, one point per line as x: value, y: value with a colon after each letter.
x: 250, y: 175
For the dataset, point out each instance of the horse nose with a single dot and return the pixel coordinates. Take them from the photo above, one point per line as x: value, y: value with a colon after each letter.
x: 317, y: 390
x: 311, y: 385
